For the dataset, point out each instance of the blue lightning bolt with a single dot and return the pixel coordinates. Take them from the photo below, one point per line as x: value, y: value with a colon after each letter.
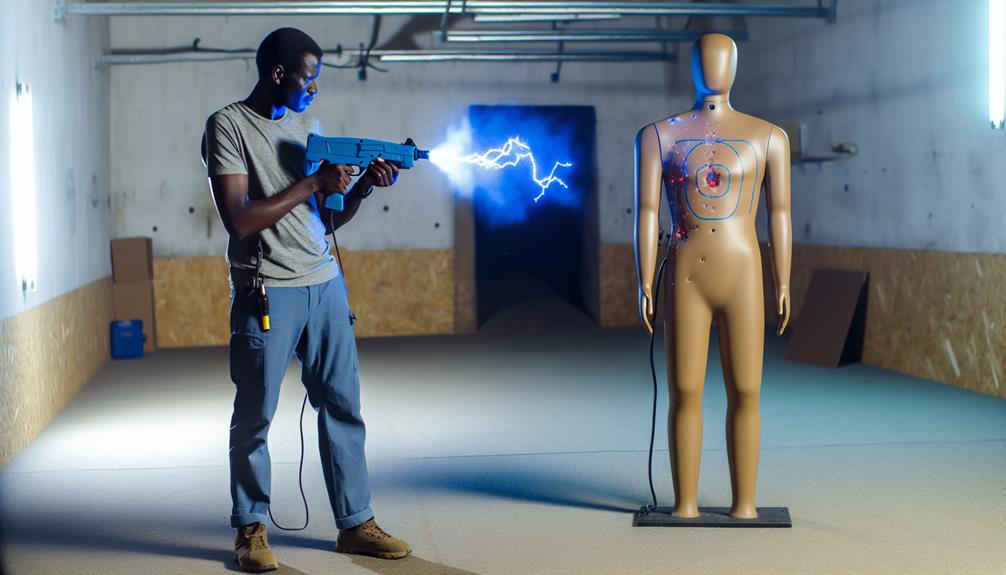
x: 509, y: 155
x: 512, y: 152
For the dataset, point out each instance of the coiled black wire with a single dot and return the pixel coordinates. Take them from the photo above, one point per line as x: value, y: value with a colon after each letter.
x: 300, y: 479
x: 653, y: 371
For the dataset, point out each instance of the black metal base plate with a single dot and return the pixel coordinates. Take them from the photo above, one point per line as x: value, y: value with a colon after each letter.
x: 713, y: 517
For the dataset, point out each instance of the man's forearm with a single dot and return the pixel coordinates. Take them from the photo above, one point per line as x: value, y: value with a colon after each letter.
x: 256, y: 215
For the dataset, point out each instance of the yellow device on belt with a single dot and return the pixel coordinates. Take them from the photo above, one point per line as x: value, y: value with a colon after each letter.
x: 263, y: 306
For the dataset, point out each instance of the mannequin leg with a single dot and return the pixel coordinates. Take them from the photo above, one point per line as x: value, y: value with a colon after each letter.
x: 686, y: 333
x: 728, y: 380
x: 741, y: 329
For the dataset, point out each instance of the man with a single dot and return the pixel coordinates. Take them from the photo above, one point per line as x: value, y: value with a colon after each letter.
x: 272, y: 207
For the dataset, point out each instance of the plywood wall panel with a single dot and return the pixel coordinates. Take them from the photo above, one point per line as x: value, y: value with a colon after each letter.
x: 618, y: 291
x: 47, y: 355
x: 192, y: 302
x: 408, y: 292
x: 935, y: 315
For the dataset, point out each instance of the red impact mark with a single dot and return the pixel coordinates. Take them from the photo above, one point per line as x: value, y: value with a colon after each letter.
x: 713, y: 179
x: 675, y: 182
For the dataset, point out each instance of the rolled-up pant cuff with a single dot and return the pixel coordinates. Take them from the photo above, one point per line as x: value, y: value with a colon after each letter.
x: 240, y: 520
x: 355, y: 519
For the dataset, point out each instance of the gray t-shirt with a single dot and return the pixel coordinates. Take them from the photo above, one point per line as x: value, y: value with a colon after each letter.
x: 272, y: 154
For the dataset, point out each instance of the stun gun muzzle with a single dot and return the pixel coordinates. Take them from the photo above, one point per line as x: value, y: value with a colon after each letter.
x: 359, y: 152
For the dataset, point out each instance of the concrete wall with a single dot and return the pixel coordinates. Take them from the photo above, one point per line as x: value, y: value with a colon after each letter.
x: 53, y: 340
x: 907, y: 81
x: 70, y: 98
x: 158, y: 115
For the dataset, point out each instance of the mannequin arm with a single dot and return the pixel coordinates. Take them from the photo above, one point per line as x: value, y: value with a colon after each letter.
x: 777, y: 180
x: 647, y: 195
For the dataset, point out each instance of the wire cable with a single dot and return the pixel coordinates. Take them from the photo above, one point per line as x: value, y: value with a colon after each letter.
x: 653, y: 371
x: 300, y: 479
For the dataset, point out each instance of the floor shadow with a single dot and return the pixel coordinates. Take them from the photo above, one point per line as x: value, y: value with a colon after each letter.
x: 277, y: 537
x: 411, y: 565
x: 287, y: 570
x: 88, y: 536
x: 505, y: 478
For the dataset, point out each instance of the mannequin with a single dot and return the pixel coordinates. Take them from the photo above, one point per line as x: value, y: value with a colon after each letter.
x: 712, y: 162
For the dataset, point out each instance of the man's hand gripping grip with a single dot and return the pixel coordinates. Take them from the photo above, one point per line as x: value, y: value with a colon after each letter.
x: 359, y: 152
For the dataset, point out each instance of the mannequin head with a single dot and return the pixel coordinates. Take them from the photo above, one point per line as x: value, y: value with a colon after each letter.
x: 714, y: 65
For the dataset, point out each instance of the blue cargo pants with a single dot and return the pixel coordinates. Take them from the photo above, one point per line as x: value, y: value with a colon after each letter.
x: 316, y: 324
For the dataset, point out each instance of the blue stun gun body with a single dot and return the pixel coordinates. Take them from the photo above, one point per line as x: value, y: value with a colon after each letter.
x: 359, y: 152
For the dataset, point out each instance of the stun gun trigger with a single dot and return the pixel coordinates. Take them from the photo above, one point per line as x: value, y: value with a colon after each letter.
x: 360, y: 152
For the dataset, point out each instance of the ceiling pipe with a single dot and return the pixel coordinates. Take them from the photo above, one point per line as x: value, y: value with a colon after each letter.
x: 439, y: 7
x: 461, y: 56
x: 116, y: 59
x: 472, y: 36
x: 510, y: 18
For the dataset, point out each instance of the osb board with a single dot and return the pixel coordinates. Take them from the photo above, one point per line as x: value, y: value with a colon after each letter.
x: 465, y: 301
x: 618, y: 293
x: 191, y: 302
x: 409, y: 292
x: 406, y: 292
x: 934, y: 315
x: 47, y: 354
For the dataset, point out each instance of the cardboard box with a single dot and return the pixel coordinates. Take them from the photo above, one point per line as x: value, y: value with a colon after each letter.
x: 136, y: 301
x: 132, y: 260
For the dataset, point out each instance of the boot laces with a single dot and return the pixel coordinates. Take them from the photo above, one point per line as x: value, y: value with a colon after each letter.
x: 256, y: 540
x: 371, y: 528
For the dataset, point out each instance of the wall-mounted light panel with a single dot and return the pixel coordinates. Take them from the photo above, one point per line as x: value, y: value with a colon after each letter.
x: 997, y: 63
x: 22, y: 174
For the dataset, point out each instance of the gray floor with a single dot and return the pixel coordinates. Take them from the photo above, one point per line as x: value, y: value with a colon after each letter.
x: 517, y: 451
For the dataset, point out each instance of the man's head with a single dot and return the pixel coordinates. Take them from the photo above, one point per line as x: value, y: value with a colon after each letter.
x: 289, y: 61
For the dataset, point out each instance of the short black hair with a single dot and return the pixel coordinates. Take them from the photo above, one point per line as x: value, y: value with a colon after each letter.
x: 284, y: 46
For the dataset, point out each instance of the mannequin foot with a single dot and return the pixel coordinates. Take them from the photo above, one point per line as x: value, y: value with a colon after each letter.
x: 690, y: 511
x: 744, y: 512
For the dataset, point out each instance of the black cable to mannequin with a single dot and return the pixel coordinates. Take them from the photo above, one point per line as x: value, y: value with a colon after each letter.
x: 653, y: 370
x: 300, y: 479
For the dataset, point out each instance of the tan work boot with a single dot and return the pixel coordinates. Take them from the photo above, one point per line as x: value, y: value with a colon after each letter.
x: 369, y: 539
x: 251, y: 550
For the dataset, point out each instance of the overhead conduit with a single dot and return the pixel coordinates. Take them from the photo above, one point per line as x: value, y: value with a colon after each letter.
x: 482, y: 10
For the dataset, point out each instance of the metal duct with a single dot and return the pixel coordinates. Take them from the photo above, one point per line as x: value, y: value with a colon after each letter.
x: 496, y: 18
x: 430, y: 7
x: 114, y: 59
x: 463, y: 36
x: 451, y: 56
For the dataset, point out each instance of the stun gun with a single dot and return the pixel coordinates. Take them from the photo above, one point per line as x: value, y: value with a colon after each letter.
x: 360, y: 152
